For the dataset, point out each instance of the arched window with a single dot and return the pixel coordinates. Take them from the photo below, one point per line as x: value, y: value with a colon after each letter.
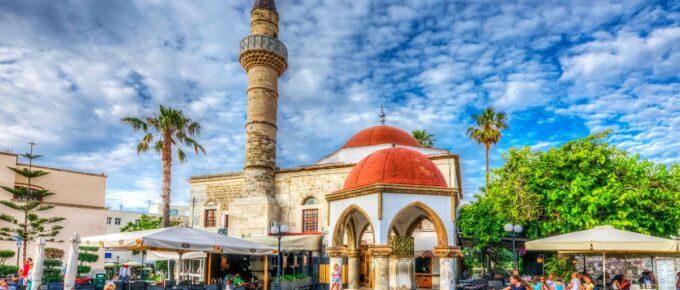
x: 310, y: 201
x: 310, y: 215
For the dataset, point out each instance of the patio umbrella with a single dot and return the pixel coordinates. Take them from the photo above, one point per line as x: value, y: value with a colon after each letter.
x: 603, y: 240
x: 38, y: 263
x: 180, y: 240
x: 72, y: 263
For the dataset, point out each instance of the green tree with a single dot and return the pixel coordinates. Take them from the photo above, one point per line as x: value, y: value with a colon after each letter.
x: 582, y: 184
x: 164, y: 130
x: 29, y: 203
x: 487, y: 130
x: 53, y: 265
x: 4, y: 255
x: 86, y: 254
x: 425, y: 138
x: 146, y: 222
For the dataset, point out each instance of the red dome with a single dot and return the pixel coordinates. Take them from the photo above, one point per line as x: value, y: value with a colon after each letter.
x: 395, y: 166
x: 381, y: 135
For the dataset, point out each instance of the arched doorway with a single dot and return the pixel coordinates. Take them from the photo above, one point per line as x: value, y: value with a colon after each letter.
x: 353, y: 232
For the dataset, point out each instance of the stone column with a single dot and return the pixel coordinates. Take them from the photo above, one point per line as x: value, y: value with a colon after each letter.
x: 336, y: 253
x: 402, y: 263
x: 447, y: 266
x: 380, y: 255
x: 353, y: 270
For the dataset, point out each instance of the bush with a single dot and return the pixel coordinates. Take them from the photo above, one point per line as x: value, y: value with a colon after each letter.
x: 84, y: 269
x: 54, y: 253
x: 560, y: 267
x: 5, y: 254
x: 88, y: 257
x: 6, y: 270
x: 51, y: 275
x: 51, y: 263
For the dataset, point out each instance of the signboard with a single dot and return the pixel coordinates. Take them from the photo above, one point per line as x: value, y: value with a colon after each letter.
x: 108, y: 256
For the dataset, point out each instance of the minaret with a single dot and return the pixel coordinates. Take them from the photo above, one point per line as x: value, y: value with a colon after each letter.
x: 264, y: 58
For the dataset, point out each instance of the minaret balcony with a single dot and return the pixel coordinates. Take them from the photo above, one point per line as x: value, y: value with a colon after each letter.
x: 263, y: 42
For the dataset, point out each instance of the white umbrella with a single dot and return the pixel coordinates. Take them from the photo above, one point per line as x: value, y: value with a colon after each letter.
x: 180, y: 240
x: 38, y: 263
x: 603, y: 240
x: 72, y: 263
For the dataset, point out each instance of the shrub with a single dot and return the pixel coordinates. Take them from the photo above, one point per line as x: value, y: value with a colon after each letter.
x: 84, y: 269
x: 6, y: 270
x: 5, y: 254
x: 52, y: 263
x: 54, y: 253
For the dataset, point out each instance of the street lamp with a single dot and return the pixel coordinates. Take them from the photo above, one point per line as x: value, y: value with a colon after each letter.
x: 279, y: 231
x: 514, y: 230
x: 541, y: 260
x: 19, y: 243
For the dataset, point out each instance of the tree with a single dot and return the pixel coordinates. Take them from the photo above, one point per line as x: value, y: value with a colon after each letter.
x: 487, y: 131
x: 424, y: 138
x: 580, y: 185
x: 29, y: 203
x: 169, y: 127
x: 87, y: 255
x: 4, y: 255
x: 53, y: 265
x: 146, y: 222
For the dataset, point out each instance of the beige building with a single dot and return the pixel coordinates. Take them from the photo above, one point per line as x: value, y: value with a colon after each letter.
x: 79, y: 197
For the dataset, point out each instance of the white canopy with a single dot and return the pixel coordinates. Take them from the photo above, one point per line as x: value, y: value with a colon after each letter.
x: 291, y: 242
x: 604, y: 239
x: 179, y: 240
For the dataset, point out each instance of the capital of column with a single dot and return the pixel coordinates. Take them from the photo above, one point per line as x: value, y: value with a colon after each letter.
x: 380, y: 250
x: 352, y: 253
x: 446, y: 251
x: 336, y: 251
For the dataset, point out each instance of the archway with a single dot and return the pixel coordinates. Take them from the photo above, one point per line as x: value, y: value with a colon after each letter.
x: 407, y: 219
x: 352, y: 228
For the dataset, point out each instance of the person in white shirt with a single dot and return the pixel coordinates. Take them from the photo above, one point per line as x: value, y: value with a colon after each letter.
x: 124, y: 273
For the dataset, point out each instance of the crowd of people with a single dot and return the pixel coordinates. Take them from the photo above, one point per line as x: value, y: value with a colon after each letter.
x: 581, y: 281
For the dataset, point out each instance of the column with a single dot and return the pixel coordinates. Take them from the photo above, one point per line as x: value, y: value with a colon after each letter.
x: 336, y: 253
x: 380, y: 255
x: 447, y: 266
x: 353, y: 270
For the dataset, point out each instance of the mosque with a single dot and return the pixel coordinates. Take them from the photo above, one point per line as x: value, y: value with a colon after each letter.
x: 382, y: 205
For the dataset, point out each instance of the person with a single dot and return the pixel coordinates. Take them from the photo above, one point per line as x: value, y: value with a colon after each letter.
x: 3, y: 284
x: 646, y: 279
x: 559, y: 284
x: 124, y: 273
x: 575, y: 283
x: 677, y: 282
x: 229, y: 284
x: 537, y: 283
x: 516, y: 283
x: 238, y: 281
x: 550, y: 282
x: 27, y: 267
x: 110, y: 286
x: 588, y: 283
x: 15, y: 278
x: 620, y: 283
x: 335, y: 278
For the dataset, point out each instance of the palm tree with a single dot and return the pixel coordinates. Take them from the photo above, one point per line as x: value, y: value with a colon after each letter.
x: 423, y: 137
x: 487, y: 131
x: 170, y: 127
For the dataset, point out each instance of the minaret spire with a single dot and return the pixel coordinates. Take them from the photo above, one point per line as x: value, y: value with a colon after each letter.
x: 382, y: 115
x: 265, y: 4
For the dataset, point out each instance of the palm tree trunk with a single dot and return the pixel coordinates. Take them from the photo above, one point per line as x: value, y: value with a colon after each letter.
x: 166, y: 157
x: 486, y: 188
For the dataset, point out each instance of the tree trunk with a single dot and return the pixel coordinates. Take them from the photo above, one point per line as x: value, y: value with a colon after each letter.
x: 486, y: 188
x: 166, y: 157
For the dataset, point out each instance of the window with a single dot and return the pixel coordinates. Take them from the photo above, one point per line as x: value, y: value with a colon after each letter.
x: 117, y: 221
x: 209, y: 218
x: 108, y: 220
x: 309, y: 201
x: 310, y: 220
x: 174, y: 212
x: 226, y: 221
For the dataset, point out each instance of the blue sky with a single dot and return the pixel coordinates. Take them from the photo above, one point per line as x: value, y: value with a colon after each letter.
x: 69, y: 70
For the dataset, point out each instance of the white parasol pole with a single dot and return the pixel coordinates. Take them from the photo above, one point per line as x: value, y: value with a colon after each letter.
x: 38, y: 263
x: 72, y: 263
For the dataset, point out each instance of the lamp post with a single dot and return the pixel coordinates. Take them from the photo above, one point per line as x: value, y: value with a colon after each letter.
x: 19, y: 243
x: 514, y: 230
x: 279, y: 231
x: 541, y: 260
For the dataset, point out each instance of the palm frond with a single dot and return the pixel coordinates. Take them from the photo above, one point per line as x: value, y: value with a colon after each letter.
x: 136, y: 123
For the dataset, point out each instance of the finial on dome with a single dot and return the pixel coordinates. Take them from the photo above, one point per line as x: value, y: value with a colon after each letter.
x: 382, y: 115
x: 266, y: 4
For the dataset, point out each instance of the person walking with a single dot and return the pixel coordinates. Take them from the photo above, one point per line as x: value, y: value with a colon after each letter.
x: 336, y: 276
x: 588, y: 283
x: 575, y: 283
x: 516, y: 283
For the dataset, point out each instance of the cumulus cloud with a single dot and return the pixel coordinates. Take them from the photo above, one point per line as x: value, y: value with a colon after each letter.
x: 70, y: 70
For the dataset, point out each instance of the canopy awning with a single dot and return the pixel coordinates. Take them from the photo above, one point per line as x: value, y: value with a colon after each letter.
x: 604, y: 239
x: 178, y: 240
x: 311, y: 242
